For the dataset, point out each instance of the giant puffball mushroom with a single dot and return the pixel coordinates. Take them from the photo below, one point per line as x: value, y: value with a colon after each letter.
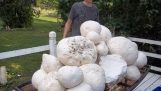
x: 94, y: 76
x: 50, y: 63
x: 115, y: 68
x: 133, y: 73
x: 105, y: 34
x: 82, y: 87
x: 94, y: 37
x: 37, y: 77
x: 49, y: 83
x: 141, y: 60
x: 89, y: 26
x: 102, y: 49
x: 70, y: 76
x: 76, y: 51
x: 124, y: 47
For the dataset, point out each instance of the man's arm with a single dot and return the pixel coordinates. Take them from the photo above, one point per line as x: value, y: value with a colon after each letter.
x: 67, y: 28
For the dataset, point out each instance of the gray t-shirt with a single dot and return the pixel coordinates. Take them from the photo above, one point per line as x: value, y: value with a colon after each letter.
x: 80, y: 13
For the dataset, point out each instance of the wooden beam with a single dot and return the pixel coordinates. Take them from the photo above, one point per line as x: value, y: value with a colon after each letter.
x: 145, y: 41
x: 152, y: 55
x: 21, y: 52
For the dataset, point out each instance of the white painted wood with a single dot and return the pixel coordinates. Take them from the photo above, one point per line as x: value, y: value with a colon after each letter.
x: 152, y: 55
x: 52, y: 43
x: 145, y: 41
x: 148, y: 76
x: 152, y: 80
x: 156, y: 68
x: 3, y: 75
x: 21, y: 52
x: 154, y: 85
x: 147, y: 83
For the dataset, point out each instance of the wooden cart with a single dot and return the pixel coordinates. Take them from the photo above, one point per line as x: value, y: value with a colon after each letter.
x: 125, y: 85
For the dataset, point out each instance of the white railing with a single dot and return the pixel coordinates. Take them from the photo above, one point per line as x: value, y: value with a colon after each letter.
x: 145, y: 41
x: 51, y: 47
x: 154, y: 55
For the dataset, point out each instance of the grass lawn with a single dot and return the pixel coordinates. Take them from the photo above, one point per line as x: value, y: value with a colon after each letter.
x: 20, y: 69
x: 29, y: 37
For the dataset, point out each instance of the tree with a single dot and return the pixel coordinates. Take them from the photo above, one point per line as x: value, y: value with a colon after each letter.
x: 16, y: 13
x: 139, y: 18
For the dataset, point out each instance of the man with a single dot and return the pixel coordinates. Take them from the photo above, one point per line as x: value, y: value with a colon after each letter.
x: 79, y: 13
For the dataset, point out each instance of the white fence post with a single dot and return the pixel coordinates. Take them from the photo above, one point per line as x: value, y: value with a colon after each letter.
x: 3, y: 75
x: 52, y: 43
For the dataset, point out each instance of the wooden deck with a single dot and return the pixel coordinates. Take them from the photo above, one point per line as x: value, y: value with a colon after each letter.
x: 149, y: 83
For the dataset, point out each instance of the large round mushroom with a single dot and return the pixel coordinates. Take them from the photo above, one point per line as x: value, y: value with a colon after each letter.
x: 94, y: 75
x: 124, y: 47
x: 89, y: 26
x: 76, y: 51
x: 105, y: 34
x: 70, y: 76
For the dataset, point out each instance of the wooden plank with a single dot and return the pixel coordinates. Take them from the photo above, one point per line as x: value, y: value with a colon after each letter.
x: 147, y: 83
x: 154, y: 85
x: 149, y: 75
x: 152, y: 55
x: 145, y: 41
x: 155, y: 68
x: 21, y: 52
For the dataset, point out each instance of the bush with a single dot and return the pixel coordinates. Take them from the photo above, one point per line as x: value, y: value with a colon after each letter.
x: 138, y: 18
x: 16, y: 13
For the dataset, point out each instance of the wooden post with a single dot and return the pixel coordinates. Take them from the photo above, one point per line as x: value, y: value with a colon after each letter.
x: 52, y: 43
x: 3, y: 75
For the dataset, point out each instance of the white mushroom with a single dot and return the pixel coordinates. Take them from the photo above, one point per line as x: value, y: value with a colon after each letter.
x: 124, y: 47
x: 49, y: 83
x: 102, y: 48
x: 115, y: 68
x: 141, y: 60
x: 37, y: 77
x: 133, y: 73
x: 89, y: 26
x: 94, y: 76
x: 105, y: 34
x: 50, y: 63
x: 76, y: 51
x: 82, y: 87
x: 94, y: 37
x: 70, y: 76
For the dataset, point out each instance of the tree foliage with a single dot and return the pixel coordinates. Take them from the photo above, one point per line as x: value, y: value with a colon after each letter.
x: 139, y: 18
x: 16, y: 13
x: 47, y: 4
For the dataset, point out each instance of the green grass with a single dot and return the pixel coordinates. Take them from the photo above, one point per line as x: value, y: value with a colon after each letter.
x: 29, y: 37
x: 24, y: 66
x: 19, y: 38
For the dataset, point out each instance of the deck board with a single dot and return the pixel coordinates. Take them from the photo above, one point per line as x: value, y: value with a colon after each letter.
x: 149, y: 75
x: 150, y: 82
x: 154, y: 85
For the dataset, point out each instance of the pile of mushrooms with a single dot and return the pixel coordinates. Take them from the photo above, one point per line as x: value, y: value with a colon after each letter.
x: 89, y: 61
